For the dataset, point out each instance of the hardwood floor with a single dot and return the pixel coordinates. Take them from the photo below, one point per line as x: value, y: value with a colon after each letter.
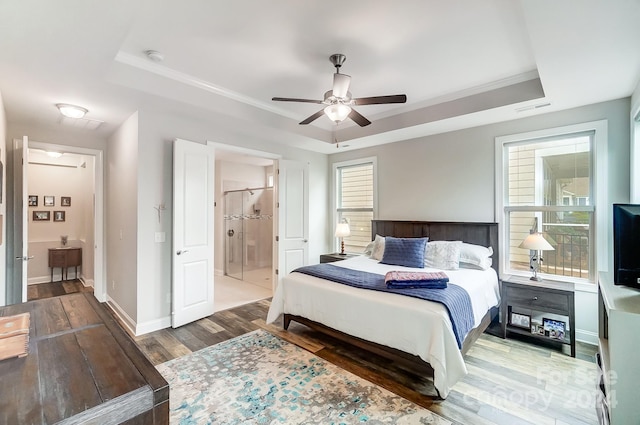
x: 54, y: 289
x: 509, y: 382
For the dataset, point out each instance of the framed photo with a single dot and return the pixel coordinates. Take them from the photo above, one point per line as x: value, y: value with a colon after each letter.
x: 536, y: 328
x: 49, y: 201
x: 59, y: 216
x: 65, y: 201
x: 41, y: 215
x: 554, y: 329
x: 520, y: 320
x: 33, y: 200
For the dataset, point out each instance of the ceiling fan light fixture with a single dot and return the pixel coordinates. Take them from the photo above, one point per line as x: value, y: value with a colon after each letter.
x: 337, y: 112
x: 71, y: 111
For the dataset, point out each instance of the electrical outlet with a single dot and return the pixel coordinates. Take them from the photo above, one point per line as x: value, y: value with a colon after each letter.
x: 113, y: 284
x: 160, y: 237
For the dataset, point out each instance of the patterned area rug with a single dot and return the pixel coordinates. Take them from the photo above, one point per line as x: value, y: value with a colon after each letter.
x: 258, y: 378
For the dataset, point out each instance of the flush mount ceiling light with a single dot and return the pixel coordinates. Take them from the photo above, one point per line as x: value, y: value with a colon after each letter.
x: 71, y: 111
x: 154, y: 55
x: 53, y: 154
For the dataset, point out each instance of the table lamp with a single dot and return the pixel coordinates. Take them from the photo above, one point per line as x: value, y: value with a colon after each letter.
x: 342, y: 230
x: 537, y: 243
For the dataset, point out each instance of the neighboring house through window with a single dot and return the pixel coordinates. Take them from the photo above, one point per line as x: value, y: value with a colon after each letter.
x: 546, y: 183
x: 355, y: 200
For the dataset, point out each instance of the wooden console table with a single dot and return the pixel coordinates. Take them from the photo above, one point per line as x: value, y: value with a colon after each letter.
x: 65, y: 258
x: 81, y: 368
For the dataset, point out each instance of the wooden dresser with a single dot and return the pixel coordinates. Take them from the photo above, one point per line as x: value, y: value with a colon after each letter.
x: 81, y: 368
x: 65, y: 258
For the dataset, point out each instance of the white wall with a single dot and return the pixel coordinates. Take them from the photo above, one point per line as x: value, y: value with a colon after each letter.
x: 3, y: 203
x: 451, y: 176
x: 157, y: 130
x: 122, y: 221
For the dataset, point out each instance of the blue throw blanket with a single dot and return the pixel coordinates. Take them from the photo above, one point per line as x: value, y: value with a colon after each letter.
x: 403, y: 279
x: 453, y: 297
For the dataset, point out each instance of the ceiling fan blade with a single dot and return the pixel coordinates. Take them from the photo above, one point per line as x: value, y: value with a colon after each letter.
x: 377, y: 100
x: 291, y: 99
x: 313, y: 117
x: 341, y: 84
x: 358, y: 118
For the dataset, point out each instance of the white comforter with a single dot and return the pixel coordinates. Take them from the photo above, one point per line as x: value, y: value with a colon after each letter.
x: 412, y: 325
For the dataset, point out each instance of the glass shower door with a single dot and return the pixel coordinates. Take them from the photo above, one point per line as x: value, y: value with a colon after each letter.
x: 234, y: 234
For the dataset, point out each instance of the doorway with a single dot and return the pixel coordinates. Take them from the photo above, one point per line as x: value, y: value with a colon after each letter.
x: 244, y: 216
x: 64, y: 183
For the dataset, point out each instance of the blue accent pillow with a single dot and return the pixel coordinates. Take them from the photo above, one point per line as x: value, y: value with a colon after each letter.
x: 408, y: 252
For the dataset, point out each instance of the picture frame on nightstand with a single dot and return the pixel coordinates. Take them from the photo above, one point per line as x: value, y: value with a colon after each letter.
x: 554, y: 329
x: 520, y: 320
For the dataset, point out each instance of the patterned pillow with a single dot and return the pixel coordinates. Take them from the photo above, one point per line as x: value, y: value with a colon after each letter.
x: 378, y: 248
x: 408, y: 252
x: 443, y: 255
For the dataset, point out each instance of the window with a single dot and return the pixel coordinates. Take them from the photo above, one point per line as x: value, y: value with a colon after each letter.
x: 355, y: 200
x: 547, y: 184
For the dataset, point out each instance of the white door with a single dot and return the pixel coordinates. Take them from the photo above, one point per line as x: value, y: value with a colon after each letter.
x: 193, y: 192
x: 21, y: 213
x: 293, y: 216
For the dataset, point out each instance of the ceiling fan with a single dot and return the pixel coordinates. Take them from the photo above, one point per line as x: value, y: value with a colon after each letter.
x: 339, y: 101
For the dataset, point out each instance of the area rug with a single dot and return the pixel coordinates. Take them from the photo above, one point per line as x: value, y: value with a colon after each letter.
x: 258, y: 378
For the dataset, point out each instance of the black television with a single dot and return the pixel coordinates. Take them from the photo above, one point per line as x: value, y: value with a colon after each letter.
x: 626, y: 244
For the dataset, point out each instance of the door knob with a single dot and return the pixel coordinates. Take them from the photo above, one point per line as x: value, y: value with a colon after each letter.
x: 180, y: 252
x: 24, y: 258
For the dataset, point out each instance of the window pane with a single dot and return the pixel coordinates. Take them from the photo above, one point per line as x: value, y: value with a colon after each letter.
x: 355, y: 203
x: 356, y: 186
x: 568, y: 232
x: 551, y: 172
x: 360, y: 226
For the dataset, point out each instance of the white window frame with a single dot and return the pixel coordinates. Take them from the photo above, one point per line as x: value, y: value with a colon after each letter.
x: 599, y: 181
x: 335, y: 192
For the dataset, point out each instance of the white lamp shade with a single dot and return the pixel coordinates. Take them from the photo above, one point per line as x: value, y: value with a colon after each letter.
x: 536, y: 242
x: 337, y: 112
x: 342, y: 230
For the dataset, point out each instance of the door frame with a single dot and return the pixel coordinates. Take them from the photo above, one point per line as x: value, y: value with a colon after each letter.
x: 99, y: 270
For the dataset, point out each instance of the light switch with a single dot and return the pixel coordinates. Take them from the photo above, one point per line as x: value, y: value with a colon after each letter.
x: 160, y: 237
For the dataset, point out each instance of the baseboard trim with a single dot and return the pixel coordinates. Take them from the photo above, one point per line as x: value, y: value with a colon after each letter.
x: 153, y: 325
x: 42, y: 279
x: 127, y: 321
x: 137, y: 329
x: 587, y: 337
x: 87, y: 283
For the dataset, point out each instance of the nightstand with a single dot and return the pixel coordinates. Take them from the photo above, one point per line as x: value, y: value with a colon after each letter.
x: 330, y: 258
x: 542, y: 310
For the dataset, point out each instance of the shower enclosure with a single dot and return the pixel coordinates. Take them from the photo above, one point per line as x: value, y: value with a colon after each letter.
x: 248, y: 222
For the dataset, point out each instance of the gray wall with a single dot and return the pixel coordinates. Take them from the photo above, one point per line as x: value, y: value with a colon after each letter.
x: 157, y: 130
x: 451, y: 176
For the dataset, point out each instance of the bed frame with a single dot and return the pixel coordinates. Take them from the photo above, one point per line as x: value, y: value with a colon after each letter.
x: 485, y: 234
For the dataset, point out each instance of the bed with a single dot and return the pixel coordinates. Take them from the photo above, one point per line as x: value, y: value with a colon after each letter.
x: 407, y: 328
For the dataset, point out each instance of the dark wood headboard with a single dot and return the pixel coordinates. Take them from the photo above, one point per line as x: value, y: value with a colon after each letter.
x: 485, y: 234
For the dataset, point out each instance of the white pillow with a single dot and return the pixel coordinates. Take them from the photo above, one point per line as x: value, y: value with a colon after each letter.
x: 378, y: 248
x: 475, y: 256
x: 443, y: 255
